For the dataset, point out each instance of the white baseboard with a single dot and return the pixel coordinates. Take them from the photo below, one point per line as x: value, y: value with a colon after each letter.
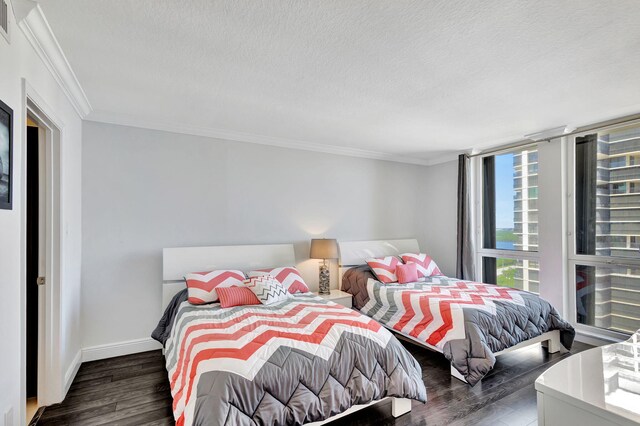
x: 72, y: 371
x: 120, y: 348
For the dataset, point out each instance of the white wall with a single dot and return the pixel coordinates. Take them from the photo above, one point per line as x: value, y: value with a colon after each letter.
x: 18, y: 60
x: 144, y: 190
x: 437, y: 209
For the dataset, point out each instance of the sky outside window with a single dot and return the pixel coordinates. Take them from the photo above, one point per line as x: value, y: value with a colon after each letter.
x: 504, y: 171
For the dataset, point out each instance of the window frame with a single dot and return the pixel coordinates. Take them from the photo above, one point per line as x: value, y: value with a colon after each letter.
x: 478, y: 189
x: 573, y: 258
x: 6, y: 34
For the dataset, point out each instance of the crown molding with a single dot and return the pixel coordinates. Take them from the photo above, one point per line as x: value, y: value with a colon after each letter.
x: 34, y: 25
x: 445, y: 158
x: 231, y: 135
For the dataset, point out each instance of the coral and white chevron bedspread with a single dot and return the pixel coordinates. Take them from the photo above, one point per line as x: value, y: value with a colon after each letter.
x: 466, y: 321
x: 293, y: 362
x: 432, y: 311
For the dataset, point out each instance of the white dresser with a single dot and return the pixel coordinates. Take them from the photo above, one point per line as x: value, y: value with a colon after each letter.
x: 597, y: 387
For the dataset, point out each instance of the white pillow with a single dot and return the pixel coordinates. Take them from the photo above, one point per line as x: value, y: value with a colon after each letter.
x: 267, y: 289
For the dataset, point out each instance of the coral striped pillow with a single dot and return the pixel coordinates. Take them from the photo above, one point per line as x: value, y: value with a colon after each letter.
x: 236, y: 296
x: 288, y: 276
x: 384, y: 268
x: 426, y: 266
x: 201, y: 286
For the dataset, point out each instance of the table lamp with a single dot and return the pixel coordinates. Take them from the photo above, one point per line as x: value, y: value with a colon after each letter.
x: 324, y: 249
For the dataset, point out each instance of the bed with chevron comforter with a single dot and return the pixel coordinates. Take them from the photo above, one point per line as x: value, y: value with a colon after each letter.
x: 467, y: 321
x: 298, y: 361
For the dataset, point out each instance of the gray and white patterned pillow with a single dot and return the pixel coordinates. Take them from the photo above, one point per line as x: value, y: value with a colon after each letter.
x: 267, y: 289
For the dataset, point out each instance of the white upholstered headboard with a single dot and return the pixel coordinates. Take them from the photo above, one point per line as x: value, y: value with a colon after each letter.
x: 355, y: 253
x: 176, y: 262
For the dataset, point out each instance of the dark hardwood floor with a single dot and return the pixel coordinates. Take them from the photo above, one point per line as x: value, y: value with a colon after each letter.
x: 134, y: 390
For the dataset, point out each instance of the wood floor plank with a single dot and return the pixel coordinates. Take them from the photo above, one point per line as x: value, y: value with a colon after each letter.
x: 81, y: 416
x: 134, y: 390
x: 93, y: 383
x: 70, y: 406
x: 84, y: 376
x: 166, y: 421
x: 144, y: 370
x: 121, y: 361
x: 123, y: 384
x: 139, y: 400
x: 131, y: 416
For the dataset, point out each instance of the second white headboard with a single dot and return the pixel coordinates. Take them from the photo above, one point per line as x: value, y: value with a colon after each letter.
x: 353, y: 253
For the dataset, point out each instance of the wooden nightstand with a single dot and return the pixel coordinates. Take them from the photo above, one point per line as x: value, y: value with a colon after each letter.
x: 338, y: 296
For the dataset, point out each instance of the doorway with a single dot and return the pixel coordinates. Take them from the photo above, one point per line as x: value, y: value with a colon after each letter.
x: 52, y: 381
x: 35, y: 256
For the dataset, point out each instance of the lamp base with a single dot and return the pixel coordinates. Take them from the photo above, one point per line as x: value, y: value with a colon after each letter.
x: 323, y: 287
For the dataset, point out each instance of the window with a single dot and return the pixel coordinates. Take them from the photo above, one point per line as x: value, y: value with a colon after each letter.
x: 514, y: 273
x: 4, y: 20
x: 606, y: 297
x: 508, y: 255
x: 604, y: 260
x: 583, y: 254
x: 617, y: 188
x: 618, y: 161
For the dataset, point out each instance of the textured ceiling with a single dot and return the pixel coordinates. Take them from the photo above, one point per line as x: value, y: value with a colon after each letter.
x: 421, y: 79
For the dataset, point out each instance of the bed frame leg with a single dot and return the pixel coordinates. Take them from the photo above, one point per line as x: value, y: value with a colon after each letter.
x: 455, y: 373
x: 400, y: 406
x: 553, y: 345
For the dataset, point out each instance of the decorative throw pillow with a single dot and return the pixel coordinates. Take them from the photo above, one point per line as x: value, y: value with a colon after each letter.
x: 267, y: 289
x: 236, y: 296
x: 201, y: 286
x: 384, y: 268
x: 426, y: 266
x: 407, y: 273
x: 288, y: 276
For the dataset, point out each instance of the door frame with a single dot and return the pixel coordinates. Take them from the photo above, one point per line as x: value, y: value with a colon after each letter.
x: 50, y: 375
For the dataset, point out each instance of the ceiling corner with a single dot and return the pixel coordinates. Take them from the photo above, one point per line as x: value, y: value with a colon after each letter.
x: 230, y: 135
x: 31, y: 20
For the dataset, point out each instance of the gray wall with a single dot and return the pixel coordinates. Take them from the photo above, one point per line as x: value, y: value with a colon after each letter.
x: 144, y: 190
x: 437, y: 208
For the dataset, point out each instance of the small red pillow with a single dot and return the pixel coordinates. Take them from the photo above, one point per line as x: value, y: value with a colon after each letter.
x: 236, y: 296
x: 407, y: 273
